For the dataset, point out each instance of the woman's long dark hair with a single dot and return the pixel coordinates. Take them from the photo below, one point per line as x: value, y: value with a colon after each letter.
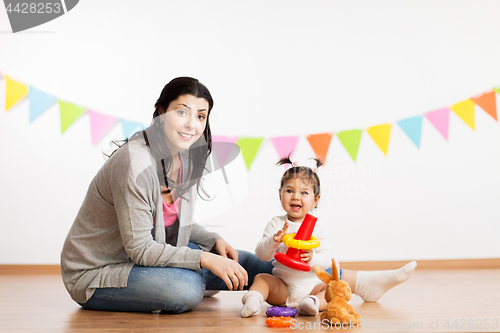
x: 154, y: 136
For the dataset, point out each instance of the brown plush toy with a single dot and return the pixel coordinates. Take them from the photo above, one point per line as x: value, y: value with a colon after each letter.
x: 337, y: 294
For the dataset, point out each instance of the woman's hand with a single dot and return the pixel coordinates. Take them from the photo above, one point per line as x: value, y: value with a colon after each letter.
x: 224, y: 249
x: 307, y: 255
x: 278, y: 237
x: 228, y: 270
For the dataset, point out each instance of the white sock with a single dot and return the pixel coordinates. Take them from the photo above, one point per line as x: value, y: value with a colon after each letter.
x: 252, y: 303
x: 309, y: 306
x: 371, y: 285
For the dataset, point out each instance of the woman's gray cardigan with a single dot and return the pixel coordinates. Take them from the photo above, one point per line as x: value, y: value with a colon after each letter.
x: 120, y: 224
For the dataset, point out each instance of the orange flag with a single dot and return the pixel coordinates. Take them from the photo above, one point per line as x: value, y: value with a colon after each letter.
x: 320, y: 144
x: 488, y: 103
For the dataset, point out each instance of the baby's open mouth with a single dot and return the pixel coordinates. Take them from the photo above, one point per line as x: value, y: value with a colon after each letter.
x: 295, y: 207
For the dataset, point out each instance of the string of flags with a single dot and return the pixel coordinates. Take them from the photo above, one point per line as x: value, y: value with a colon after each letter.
x: 40, y: 101
x: 101, y: 123
x: 380, y: 134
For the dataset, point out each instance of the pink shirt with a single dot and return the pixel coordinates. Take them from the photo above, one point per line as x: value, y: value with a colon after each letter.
x: 170, y: 211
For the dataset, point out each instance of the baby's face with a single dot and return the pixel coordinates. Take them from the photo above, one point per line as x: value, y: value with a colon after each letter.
x: 297, y: 198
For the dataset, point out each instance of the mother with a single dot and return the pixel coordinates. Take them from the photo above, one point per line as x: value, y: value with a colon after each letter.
x: 127, y: 249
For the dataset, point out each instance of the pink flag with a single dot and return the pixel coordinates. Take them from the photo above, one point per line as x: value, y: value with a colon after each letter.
x: 222, y: 150
x: 440, y: 120
x: 99, y: 124
x: 222, y: 138
x: 285, y: 145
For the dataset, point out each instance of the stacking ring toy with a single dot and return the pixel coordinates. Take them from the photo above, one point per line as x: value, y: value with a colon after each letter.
x: 279, y: 321
x: 281, y: 311
x: 296, y: 243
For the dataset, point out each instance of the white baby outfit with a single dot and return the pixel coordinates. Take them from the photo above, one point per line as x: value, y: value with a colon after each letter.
x: 299, y: 283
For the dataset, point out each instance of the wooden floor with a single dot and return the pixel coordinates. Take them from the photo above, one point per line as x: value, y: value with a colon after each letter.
x: 430, y: 301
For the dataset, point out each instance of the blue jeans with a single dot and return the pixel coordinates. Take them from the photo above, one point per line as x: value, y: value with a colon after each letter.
x: 171, y: 290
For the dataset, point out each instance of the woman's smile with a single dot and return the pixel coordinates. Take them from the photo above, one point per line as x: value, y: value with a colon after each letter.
x: 186, y: 136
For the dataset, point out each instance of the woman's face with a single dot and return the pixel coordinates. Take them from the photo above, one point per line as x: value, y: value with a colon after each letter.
x: 184, y: 122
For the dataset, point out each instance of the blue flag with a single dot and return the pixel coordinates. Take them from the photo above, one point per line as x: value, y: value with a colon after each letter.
x: 130, y: 127
x: 413, y: 128
x: 39, y: 102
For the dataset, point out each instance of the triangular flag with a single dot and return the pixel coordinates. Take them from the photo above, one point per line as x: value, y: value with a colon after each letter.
x: 350, y: 140
x: 488, y: 103
x: 130, y: 127
x: 249, y: 148
x: 440, y: 119
x: 224, y: 148
x: 14, y: 91
x: 381, y: 134
x: 320, y: 144
x: 465, y: 110
x: 69, y: 114
x: 99, y: 125
x: 224, y: 138
x: 413, y: 128
x: 39, y: 102
x: 285, y: 145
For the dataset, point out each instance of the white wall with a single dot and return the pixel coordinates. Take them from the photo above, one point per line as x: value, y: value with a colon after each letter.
x: 274, y: 68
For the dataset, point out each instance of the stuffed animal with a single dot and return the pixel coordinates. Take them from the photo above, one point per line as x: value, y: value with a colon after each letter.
x: 337, y: 294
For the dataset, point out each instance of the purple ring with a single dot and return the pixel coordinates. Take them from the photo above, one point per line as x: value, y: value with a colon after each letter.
x: 281, y: 311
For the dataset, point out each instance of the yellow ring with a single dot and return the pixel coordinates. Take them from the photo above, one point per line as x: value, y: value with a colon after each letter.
x: 298, y: 244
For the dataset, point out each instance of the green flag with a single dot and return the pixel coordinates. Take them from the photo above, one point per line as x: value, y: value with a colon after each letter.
x: 249, y: 148
x: 69, y: 114
x: 350, y: 140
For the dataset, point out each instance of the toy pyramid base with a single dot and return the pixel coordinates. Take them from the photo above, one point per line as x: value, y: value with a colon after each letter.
x: 292, y: 262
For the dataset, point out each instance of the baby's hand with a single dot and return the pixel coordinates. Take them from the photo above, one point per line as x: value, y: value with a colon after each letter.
x: 278, y: 237
x: 307, y: 255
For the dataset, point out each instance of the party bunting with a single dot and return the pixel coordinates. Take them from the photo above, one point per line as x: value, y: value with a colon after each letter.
x: 39, y: 102
x: 350, y: 140
x: 69, y: 114
x: 249, y: 148
x: 320, y: 143
x: 99, y: 125
x: 381, y: 134
x: 465, y: 110
x: 413, y: 128
x: 130, y: 127
x: 224, y: 148
x: 14, y: 92
x: 440, y: 120
x: 488, y: 103
x: 285, y: 145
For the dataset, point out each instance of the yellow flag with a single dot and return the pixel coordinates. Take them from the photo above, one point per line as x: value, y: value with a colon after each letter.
x: 465, y: 110
x: 14, y: 91
x: 380, y: 134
